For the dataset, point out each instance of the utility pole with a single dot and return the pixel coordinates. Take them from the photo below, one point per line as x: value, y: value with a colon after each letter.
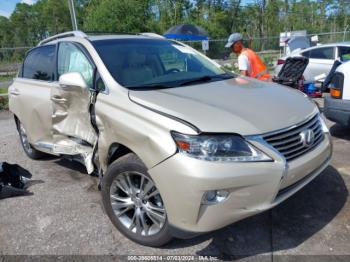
x: 346, y: 28
x: 72, y: 15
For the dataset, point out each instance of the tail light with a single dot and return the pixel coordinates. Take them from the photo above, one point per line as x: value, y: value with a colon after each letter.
x: 335, y: 92
x: 280, y: 62
x: 336, y: 85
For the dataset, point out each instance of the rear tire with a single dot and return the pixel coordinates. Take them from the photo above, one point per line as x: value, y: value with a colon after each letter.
x: 133, y: 203
x: 30, y: 151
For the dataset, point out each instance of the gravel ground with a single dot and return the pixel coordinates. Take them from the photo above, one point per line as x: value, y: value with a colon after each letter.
x: 65, y: 216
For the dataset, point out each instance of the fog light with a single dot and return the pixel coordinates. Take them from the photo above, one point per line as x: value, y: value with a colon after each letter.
x: 214, y: 196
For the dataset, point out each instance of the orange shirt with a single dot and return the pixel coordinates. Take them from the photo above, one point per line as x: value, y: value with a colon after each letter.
x: 258, y: 69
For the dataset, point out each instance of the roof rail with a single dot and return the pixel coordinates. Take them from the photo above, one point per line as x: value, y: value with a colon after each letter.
x: 62, y: 35
x: 108, y: 33
x: 152, y: 35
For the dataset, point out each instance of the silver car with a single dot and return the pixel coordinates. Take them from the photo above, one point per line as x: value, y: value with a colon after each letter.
x: 181, y: 146
x: 321, y: 58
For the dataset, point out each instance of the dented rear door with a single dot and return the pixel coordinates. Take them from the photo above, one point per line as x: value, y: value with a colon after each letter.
x: 73, y: 133
x: 30, y: 93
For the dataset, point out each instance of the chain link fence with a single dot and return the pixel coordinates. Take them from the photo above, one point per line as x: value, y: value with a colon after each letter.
x: 267, y: 47
x: 217, y: 48
x: 10, y: 61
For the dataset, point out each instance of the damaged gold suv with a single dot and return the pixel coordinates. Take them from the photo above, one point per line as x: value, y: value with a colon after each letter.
x: 180, y: 145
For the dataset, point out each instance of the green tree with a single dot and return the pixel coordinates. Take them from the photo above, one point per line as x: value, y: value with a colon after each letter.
x: 56, y: 16
x: 118, y: 15
x: 6, y: 34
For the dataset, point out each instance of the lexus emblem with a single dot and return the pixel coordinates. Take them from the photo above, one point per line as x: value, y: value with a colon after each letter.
x: 307, y: 137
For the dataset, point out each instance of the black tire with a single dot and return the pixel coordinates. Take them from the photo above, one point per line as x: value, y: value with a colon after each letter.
x: 130, y: 163
x: 30, y: 151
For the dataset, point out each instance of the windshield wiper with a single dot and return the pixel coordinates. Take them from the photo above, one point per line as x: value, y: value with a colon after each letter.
x: 149, y: 87
x: 206, y: 78
x: 173, y: 84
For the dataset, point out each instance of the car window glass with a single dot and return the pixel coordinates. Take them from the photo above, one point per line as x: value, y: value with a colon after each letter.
x: 172, y: 60
x: 72, y: 59
x: 306, y: 54
x: 322, y: 53
x: 344, y: 53
x: 139, y: 62
x: 39, y: 63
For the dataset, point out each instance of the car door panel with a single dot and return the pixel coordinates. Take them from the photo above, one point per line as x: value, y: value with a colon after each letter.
x: 73, y: 133
x: 319, y: 66
x: 321, y: 60
x: 30, y: 94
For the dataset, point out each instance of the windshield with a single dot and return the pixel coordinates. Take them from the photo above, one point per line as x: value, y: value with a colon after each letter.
x: 155, y: 63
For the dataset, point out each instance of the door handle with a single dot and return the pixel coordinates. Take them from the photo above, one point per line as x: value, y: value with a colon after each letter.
x: 58, y: 99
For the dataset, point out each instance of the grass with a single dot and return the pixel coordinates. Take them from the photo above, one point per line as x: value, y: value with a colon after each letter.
x: 3, y: 90
x: 4, y: 102
x: 6, y: 77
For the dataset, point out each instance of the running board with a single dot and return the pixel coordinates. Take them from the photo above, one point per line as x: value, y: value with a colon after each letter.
x: 45, y: 147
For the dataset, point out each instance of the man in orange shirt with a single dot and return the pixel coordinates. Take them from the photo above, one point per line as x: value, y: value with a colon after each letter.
x: 249, y: 63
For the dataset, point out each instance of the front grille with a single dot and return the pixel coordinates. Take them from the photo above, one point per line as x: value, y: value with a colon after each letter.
x: 289, y: 141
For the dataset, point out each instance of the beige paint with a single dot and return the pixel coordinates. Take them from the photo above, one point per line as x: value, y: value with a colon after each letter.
x: 241, y: 105
x: 253, y: 186
x: 71, y: 120
x: 30, y: 101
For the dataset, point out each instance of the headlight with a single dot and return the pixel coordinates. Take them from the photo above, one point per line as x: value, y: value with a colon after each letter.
x: 218, y: 148
x: 323, y: 124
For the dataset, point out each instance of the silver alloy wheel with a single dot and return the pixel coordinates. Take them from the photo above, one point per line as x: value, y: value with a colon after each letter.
x: 137, y: 203
x: 24, y: 139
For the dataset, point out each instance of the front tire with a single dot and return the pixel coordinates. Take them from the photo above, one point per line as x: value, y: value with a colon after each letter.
x: 133, y: 203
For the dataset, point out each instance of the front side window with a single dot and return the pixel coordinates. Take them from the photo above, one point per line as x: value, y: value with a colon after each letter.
x: 322, y: 53
x: 155, y: 63
x: 344, y: 53
x: 72, y: 59
x: 39, y: 63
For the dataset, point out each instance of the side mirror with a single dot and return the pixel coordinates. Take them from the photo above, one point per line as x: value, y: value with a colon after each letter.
x: 71, y: 80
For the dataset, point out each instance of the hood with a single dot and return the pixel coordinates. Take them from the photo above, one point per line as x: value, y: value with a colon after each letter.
x: 239, y: 105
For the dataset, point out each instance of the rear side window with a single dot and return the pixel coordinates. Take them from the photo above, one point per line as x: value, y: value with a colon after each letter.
x: 322, y: 53
x: 39, y: 63
x: 306, y: 54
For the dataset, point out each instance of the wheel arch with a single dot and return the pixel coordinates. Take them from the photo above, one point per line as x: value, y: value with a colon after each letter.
x: 116, y: 151
x: 16, y: 120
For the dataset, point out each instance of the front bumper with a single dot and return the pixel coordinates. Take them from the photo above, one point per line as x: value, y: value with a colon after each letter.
x: 254, y: 187
x: 337, y: 110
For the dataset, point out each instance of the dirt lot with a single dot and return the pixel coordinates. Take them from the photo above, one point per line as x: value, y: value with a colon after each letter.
x: 64, y: 216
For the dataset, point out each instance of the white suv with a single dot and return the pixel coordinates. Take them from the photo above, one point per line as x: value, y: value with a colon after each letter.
x: 321, y: 58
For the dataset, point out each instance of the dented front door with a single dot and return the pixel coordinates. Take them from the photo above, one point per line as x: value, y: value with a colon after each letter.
x: 73, y: 133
